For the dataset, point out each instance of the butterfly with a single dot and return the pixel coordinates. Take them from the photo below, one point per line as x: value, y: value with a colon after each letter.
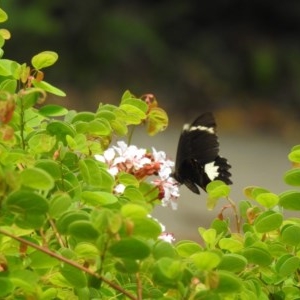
x: 197, y: 160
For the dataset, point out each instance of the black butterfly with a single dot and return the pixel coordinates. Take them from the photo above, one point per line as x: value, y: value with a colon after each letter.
x: 198, y: 161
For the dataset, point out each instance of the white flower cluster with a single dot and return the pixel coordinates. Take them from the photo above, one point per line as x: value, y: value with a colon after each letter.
x: 141, y: 164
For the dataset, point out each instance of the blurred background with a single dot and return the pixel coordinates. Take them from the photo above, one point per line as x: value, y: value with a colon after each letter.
x: 240, y: 59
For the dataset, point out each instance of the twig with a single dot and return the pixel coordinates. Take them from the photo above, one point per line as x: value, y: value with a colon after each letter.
x: 71, y: 263
x: 139, y: 286
x: 236, y: 215
x: 56, y: 233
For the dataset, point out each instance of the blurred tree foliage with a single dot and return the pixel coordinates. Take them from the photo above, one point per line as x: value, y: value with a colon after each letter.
x: 191, y: 52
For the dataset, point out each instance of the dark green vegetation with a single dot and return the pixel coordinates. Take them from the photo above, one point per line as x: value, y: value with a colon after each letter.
x: 204, y: 54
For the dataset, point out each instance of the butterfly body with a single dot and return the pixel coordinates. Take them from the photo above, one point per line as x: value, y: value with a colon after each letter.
x: 197, y: 160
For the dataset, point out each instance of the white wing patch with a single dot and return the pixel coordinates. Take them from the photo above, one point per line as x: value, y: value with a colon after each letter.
x: 211, y: 170
x: 202, y: 128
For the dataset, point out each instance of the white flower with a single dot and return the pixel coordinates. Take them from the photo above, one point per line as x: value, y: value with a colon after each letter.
x: 120, y: 188
x: 113, y: 171
x: 167, y: 237
x: 164, y: 172
x: 107, y: 157
x: 165, y: 164
x: 158, y: 155
x: 170, y: 190
x: 131, y: 154
x: 142, y: 164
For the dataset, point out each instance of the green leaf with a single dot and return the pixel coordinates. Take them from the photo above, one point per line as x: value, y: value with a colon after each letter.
x: 44, y: 59
x: 290, y: 234
x: 146, y: 227
x: 27, y: 202
x: 2, y: 40
x: 37, y: 179
x: 291, y: 292
x: 98, y: 198
x: 6, y: 286
x: 163, y: 249
x: 51, y: 167
x: 292, y: 177
x: 100, y: 127
x: 228, y: 283
x: 231, y: 244
x: 86, y: 251
x: 49, y: 294
x: 134, y: 194
x: 79, y: 143
x: 220, y: 226
x: 74, y: 276
x: 41, y: 260
x: 60, y: 129
x: 30, y: 220
x: 268, y: 221
x: 167, y: 271
x: 127, y: 266
x: 257, y: 256
x: 105, y: 219
x: 217, y: 189
x: 8, y: 67
x: 15, y: 157
x: 41, y: 143
x: 206, y: 261
x: 138, y: 103
x: 294, y: 155
x: 68, y: 218
x: 233, y: 262
x: 287, y: 264
x: 187, y: 248
x: 45, y: 86
x: 29, y: 98
x: 130, y: 248
x: 83, y: 116
x: 127, y: 179
x: 83, y: 230
x: 157, y: 121
x: 53, y: 110
x: 253, y: 191
x: 105, y: 114
x: 277, y: 249
x: 133, y: 115
x: 148, y: 192
x: 24, y: 279
x: 290, y: 200
x: 9, y: 85
x: 70, y: 160
x: 244, y: 206
x: 119, y: 127
x: 94, y: 175
x: 133, y: 211
x: 59, y: 204
x: 209, y: 295
x: 69, y: 184
x: 3, y: 16
x: 127, y: 95
x: 268, y: 200
x: 209, y: 235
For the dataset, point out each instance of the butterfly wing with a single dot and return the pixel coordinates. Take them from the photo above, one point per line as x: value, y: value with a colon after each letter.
x: 197, y: 159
